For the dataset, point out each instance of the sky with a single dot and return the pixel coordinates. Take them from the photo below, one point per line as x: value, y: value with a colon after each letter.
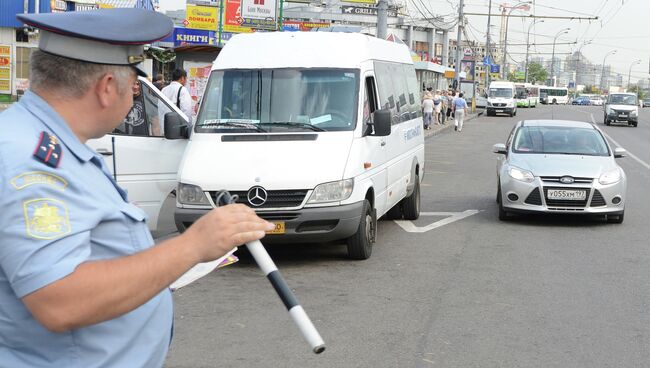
x: 622, y: 25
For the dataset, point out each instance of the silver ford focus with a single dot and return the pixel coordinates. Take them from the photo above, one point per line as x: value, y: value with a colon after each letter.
x: 557, y: 166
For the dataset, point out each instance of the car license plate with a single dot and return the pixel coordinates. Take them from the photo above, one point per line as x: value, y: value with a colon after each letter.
x: 564, y: 194
x: 279, y: 228
x: 622, y: 115
x: 498, y: 110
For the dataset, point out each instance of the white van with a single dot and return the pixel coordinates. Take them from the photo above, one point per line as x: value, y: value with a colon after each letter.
x: 138, y: 155
x: 501, y: 99
x: 320, y: 132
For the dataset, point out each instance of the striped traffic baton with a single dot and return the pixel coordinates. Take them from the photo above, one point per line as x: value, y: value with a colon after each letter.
x: 269, y: 268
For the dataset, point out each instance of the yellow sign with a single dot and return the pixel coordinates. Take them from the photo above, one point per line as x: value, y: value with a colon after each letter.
x: 5, y: 69
x: 201, y: 17
x: 450, y: 74
x: 105, y: 6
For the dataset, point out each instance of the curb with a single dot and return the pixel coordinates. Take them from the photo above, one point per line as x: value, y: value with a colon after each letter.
x: 439, y: 129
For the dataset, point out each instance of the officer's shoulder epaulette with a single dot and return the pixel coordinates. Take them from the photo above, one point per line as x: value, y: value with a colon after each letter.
x: 48, y: 150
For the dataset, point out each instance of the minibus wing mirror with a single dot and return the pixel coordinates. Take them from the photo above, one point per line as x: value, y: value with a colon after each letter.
x: 175, y: 126
x: 381, y: 123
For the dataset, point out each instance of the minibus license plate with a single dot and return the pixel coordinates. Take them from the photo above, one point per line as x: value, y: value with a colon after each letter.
x: 570, y: 195
x: 279, y: 228
x: 498, y: 110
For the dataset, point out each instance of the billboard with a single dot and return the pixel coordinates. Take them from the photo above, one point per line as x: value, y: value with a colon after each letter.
x: 258, y: 9
x: 467, y: 67
x: 201, y: 17
x: 184, y: 36
x: 232, y: 18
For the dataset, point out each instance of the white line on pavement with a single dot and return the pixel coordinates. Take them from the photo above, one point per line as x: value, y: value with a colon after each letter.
x: 643, y: 163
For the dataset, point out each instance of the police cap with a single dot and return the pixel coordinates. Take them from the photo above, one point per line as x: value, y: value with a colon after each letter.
x: 102, y: 36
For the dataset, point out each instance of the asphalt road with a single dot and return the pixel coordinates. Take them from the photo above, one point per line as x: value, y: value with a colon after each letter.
x: 460, y: 289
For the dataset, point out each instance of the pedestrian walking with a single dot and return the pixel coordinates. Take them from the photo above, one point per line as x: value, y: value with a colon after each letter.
x: 451, y: 95
x: 160, y: 82
x: 427, y: 110
x: 460, y: 110
x: 443, y: 109
x: 178, y: 93
x: 437, y: 105
x: 81, y: 282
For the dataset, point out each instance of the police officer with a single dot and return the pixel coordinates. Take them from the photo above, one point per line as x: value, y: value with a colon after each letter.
x: 81, y: 282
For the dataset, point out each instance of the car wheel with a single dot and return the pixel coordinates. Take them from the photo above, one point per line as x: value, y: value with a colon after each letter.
x: 360, y: 244
x: 514, y: 113
x: 411, y: 205
x: 616, y: 219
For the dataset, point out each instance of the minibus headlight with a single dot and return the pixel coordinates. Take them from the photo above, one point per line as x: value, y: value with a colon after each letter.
x: 332, y: 192
x: 191, y: 194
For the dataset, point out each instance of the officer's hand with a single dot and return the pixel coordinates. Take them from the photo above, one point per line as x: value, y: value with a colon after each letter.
x: 224, y: 228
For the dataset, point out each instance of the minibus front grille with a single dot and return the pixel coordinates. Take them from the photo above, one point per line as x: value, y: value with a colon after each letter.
x: 274, y: 199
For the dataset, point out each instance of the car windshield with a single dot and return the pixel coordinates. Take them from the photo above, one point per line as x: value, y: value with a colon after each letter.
x: 560, y: 140
x: 500, y: 92
x: 622, y: 100
x: 279, y: 100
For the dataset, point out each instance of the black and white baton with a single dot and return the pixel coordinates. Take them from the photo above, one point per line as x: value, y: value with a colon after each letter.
x: 290, y: 301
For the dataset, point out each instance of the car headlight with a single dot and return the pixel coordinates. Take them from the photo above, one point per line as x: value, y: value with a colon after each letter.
x: 521, y: 175
x: 610, y: 177
x: 191, y: 194
x: 332, y: 192
x: 633, y: 113
x: 489, y: 103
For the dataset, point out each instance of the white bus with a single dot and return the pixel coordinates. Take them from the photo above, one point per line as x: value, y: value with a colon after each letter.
x: 320, y: 132
x: 555, y: 95
x: 525, y: 95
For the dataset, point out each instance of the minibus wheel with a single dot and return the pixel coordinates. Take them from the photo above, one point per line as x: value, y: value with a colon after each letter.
x: 411, y: 205
x: 360, y: 244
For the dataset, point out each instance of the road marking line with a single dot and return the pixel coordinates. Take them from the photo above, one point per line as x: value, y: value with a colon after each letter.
x: 410, y: 227
x: 643, y: 163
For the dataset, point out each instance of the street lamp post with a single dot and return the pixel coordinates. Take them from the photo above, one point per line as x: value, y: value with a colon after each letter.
x: 629, y: 73
x: 602, y: 73
x: 528, y: 47
x: 505, y: 39
x: 566, y: 30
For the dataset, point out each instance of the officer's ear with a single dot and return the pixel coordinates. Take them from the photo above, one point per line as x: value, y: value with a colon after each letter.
x: 107, y: 90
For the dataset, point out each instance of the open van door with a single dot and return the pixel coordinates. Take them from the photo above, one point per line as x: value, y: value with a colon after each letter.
x: 138, y: 155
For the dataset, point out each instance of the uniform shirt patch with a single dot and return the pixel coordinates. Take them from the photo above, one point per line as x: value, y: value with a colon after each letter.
x: 46, y: 218
x: 48, y: 150
x: 38, y: 177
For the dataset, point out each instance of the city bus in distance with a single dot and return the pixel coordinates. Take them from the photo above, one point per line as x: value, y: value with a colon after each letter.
x: 524, y: 95
x: 555, y: 95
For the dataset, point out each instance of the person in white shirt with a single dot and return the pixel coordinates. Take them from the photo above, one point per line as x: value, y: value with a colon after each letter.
x: 427, y: 109
x: 178, y: 94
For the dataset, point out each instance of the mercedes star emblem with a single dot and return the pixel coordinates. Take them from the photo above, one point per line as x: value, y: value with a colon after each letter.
x: 257, y: 196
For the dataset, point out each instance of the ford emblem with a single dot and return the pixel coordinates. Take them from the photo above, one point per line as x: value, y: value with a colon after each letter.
x: 567, y: 180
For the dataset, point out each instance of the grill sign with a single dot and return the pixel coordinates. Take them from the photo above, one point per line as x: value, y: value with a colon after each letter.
x: 365, y: 10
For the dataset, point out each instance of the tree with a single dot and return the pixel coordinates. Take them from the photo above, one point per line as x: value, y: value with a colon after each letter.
x: 639, y: 92
x: 536, y: 73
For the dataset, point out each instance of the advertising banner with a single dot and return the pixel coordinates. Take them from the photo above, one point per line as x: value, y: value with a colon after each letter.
x: 294, y: 26
x: 201, y: 17
x: 365, y: 10
x: 232, y: 19
x: 467, y: 67
x: 5, y: 69
x: 184, y: 36
x: 258, y: 9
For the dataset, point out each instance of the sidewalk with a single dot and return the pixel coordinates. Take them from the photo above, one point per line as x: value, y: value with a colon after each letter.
x: 4, y: 106
x: 449, y: 124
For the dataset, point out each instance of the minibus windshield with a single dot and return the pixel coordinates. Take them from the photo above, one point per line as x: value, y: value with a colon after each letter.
x: 500, y: 92
x: 279, y: 100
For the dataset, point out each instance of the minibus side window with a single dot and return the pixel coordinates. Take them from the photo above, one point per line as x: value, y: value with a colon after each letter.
x: 369, y: 102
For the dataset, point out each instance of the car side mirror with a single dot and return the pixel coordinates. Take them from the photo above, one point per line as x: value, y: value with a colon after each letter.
x: 499, y: 148
x: 381, y: 123
x: 175, y: 127
x: 619, y: 152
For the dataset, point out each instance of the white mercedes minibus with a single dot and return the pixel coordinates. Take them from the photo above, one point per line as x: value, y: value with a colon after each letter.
x: 319, y: 132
